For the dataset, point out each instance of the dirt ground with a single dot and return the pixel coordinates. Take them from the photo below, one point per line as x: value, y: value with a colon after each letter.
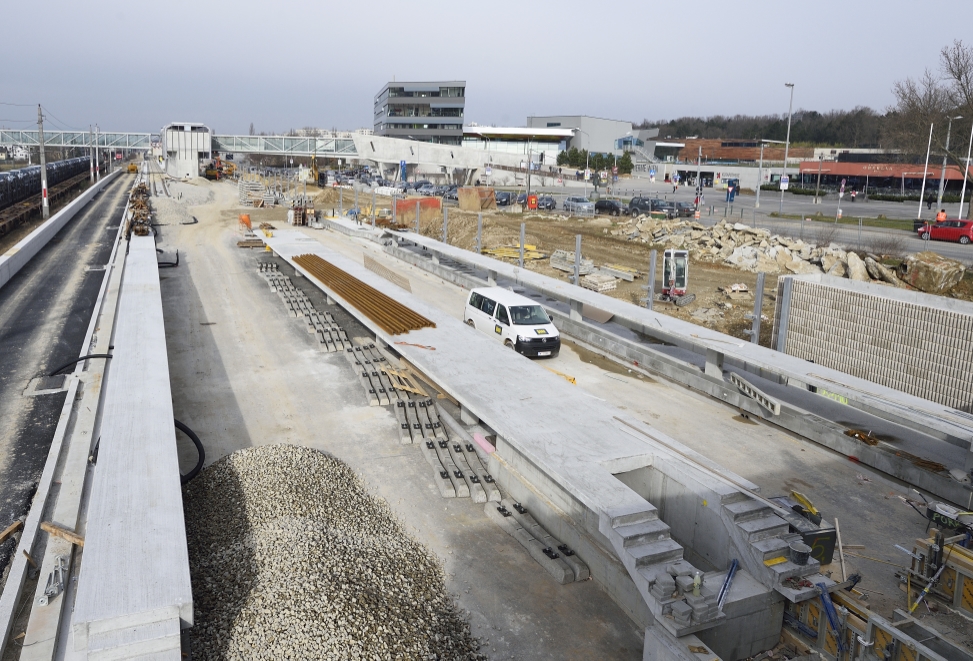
x: 712, y: 307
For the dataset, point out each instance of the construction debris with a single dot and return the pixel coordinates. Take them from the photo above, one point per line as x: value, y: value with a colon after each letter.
x: 139, y: 215
x: 563, y: 260
x: 599, y: 282
x: 513, y: 252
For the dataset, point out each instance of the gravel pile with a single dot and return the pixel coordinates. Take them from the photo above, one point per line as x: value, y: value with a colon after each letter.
x: 189, y: 194
x: 291, y: 558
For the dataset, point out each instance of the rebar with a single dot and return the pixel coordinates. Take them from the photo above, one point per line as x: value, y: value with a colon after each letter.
x: 390, y: 315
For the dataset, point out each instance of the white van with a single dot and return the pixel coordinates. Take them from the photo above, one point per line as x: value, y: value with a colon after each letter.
x: 517, y: 321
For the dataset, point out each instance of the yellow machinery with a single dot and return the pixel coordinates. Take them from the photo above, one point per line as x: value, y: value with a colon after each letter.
x: 133, y: 168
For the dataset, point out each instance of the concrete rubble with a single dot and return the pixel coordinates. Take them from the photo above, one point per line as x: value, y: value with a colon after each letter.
x: 757, y: 250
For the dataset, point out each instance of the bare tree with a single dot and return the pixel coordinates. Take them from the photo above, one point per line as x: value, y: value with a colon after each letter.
x: 933, y: 99
x: 251, y: 128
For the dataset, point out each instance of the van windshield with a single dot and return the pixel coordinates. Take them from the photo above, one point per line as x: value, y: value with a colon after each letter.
x: 528, y: 315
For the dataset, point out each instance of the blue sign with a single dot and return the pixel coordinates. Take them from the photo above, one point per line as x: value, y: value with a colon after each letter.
x: 652, y: 172
x: 402, y: 169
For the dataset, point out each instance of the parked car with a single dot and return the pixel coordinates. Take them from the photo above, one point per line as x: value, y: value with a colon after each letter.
x: 522, y: 198
x: 948, y: 230
x: 504, y: 198
x: 546, y: 202
x: 580, y: 205
x: 645, y: 205
x: 427, y: 190
x: 610, y: 207
x: 452, y: 194
x: 685, y: 210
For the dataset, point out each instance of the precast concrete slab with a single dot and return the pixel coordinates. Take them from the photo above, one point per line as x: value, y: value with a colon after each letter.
x: 911, y: 411
x: 134, y: 580
x: 569, y: 446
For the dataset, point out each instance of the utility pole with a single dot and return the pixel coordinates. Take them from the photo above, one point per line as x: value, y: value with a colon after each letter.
x: 817, y: 188
x: 942, y: 172
x: 787, y: 146
x: 699, y: 164
x: 45, y: 209
x: 97, y: 157
x: 91, y: 154
x: 925, y: 171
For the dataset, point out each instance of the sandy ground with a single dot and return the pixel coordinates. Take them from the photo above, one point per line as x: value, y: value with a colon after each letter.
x: 245, y: 374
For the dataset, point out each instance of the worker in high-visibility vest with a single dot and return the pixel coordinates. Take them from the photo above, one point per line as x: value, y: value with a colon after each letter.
x: 941, y: 216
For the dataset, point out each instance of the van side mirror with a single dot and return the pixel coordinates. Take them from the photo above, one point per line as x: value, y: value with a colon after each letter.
x: 551, y: 318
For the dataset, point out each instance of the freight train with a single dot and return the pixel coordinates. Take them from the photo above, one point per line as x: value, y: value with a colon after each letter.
x: 18, y: 185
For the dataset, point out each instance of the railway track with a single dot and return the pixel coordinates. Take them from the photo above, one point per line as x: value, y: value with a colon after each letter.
x: 156, y: 180
x: 21, y: 213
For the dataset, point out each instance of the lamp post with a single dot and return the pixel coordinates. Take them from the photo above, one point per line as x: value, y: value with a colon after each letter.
x: 925, y: 171
x: 942, y: 172
x: 787, y: 145
x: 760, y: 170
x: 966, y: 172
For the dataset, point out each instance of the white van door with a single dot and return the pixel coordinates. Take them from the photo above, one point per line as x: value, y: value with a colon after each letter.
x: 501, y: 324
x: 482, y: 316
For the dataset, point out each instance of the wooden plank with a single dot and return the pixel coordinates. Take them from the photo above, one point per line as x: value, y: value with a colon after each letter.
x: 63, y: 533
x: 11, y: 529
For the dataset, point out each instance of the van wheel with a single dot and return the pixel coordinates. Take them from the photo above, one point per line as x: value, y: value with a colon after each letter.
x: 508, y: 344
x: 469, y: 322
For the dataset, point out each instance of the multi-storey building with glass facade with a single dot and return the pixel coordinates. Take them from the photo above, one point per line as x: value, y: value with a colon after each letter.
x: 430, y: 112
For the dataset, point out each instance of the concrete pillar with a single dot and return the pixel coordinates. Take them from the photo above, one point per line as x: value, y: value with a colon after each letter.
x: 492, y: 278
x: 479, y: 233
x: 575, y: 313
x: 435, y: 258
x: 576, y: 280
x: 650, y: 289
x: 758, y: 300
x: 328, y: 299
x: 467, y: 417
x: 714, y: 363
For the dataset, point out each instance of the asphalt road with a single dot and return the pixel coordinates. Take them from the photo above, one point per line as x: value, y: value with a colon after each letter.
x: 44, y: 314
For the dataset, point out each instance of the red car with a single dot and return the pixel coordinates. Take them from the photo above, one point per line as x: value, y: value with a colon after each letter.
x: 948, y: 230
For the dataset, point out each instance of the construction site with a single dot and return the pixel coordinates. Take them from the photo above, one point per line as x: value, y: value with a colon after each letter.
x: 283, y: 438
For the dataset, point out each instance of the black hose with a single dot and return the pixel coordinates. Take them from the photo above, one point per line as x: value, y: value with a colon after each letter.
x: 163, y: 265
x: 199, y: 448
x: 78, y: 360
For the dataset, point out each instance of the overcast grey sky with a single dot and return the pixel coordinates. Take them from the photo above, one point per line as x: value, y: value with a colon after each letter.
x: 135, y: 66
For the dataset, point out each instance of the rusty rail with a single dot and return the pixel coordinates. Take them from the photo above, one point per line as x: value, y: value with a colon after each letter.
x: 391, y: 316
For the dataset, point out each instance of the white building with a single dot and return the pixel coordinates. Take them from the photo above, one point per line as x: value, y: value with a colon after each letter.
x: 186, y: 145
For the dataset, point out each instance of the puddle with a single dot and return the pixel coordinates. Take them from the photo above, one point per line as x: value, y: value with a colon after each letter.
x: 606, y: 364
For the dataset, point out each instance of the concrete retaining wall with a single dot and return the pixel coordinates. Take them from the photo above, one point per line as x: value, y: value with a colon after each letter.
x: 17, y: 257
x: 913, y: 342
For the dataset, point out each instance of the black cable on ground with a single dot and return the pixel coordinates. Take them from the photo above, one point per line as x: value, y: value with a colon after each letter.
x: 199, y: 448
x: 164, y: 265
x: 78, y: 360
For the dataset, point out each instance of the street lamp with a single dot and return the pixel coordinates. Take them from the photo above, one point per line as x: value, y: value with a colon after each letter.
x: 787, y: 146
x: 966, y: 172
x: 760, y: 169
x: 942, y: 173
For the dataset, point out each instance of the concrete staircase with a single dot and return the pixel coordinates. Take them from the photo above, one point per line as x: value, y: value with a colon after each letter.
x: 655, y: 563
x: 763, y: 541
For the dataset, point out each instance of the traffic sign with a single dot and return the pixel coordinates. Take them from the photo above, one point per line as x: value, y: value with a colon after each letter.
x: 784, y: 182
x: 488, y: 170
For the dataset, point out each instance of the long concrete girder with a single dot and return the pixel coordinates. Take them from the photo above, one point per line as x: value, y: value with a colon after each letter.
x: 950, y: 425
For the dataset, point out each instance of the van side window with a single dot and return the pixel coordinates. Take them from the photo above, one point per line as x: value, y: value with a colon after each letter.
x: 488, y: 305
x: 475, y: 300
x: 502, y: 315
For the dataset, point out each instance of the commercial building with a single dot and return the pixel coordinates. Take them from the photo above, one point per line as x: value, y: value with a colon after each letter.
x: 429, y: 111
x: 603, y: 136
x: 186, y: 145
x: 542, y: 145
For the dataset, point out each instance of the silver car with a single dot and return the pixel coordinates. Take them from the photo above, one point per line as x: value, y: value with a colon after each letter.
x: 579, y: 205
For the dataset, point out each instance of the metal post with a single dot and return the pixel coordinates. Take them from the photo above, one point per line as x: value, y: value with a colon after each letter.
x: 45, y: 210
x: 859, y: 233
x: 699, y: 181
x: 479, y: 233
x: 787, y: 145
x: 925, y: 171
x: 357, y: 208
x: 417, y: 217
x: 341, y: 201
x: 91, y: 154
x: 758, y: 300
x: 445, y: 223
x: 760, y: 176
x: 966, y: 174
x: 394, y: 205
x: 577, y: 260
x: 942, y: 172
x: 373, y: 207
x: 650, y: 293
x: 523, y: 229
x: 97, y: 155
x: 817, y: 189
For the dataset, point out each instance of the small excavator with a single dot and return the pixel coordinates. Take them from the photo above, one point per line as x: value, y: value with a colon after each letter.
x: 675, y: 278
